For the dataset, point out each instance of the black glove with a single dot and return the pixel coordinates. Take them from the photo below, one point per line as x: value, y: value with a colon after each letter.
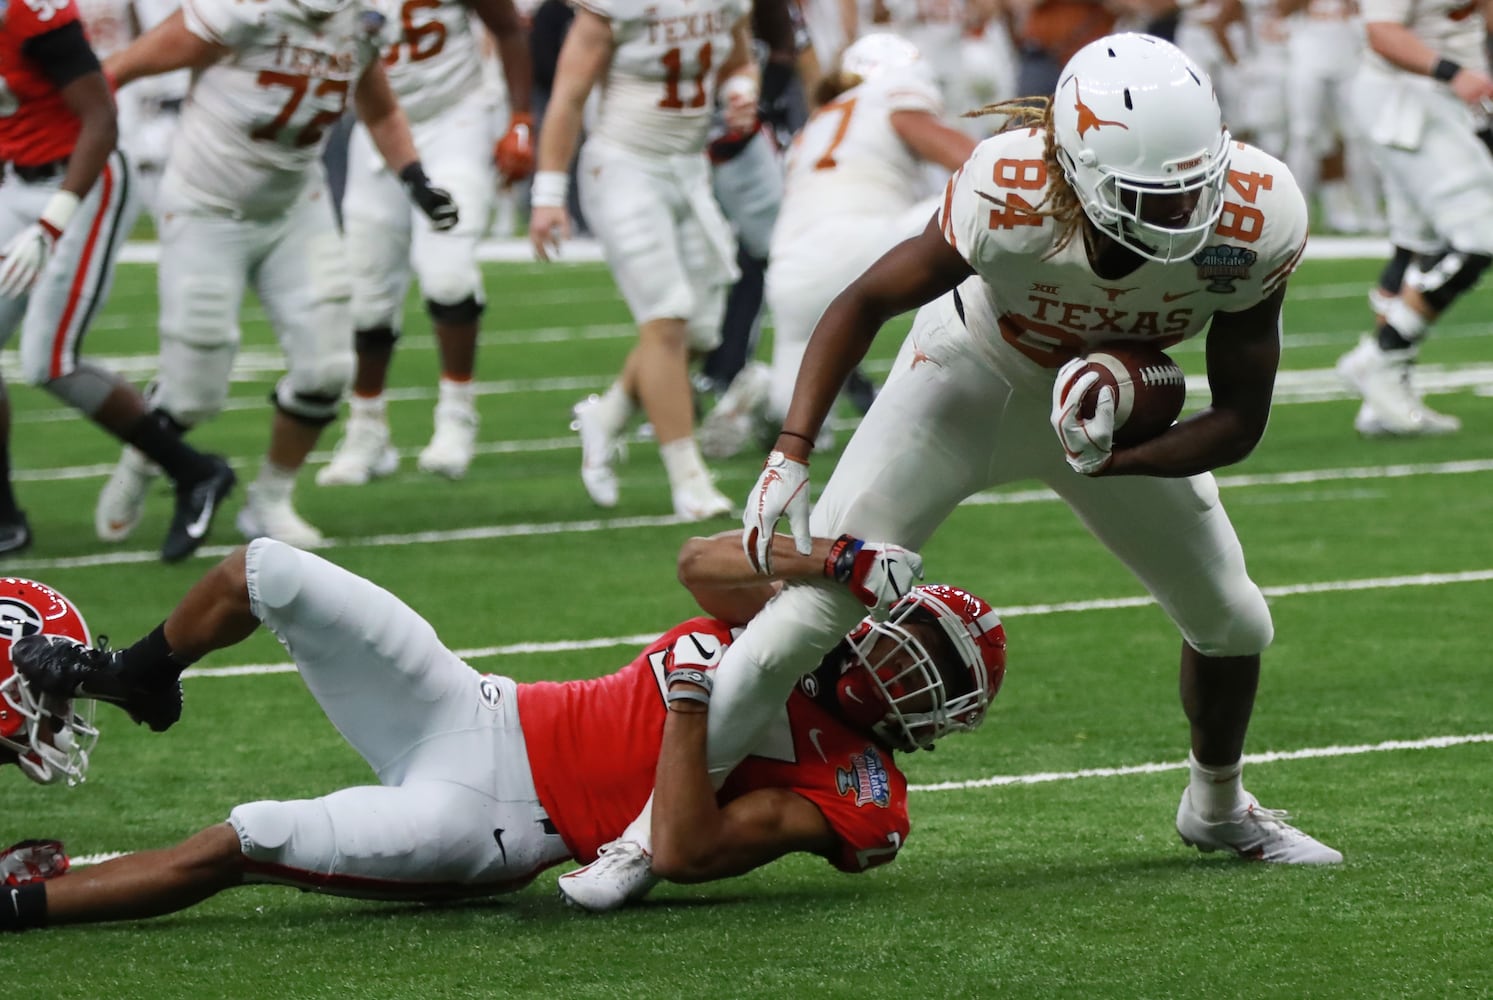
x: 438, y: 206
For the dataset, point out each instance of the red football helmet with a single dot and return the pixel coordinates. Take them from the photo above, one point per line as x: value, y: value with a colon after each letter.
x: 908, y: 695
x: 50, y: 737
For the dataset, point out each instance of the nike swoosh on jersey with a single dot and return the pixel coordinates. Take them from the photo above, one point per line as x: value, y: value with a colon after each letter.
x: 814, y: 735
x: 1174, y: 296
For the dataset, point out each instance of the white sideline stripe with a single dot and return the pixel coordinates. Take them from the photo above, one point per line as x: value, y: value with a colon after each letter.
x: 1020, y: 611
x: 1269, y: 757
x: 1044, y: 777
x: 519, y: 251
x: 490, y: 532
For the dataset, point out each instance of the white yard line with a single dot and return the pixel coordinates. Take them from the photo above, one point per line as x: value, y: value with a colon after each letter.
x: 496, y: 531
x: 1047, y: 777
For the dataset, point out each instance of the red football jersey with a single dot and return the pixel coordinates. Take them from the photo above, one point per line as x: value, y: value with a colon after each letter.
x: 593, y: 748
x: 35, y: 124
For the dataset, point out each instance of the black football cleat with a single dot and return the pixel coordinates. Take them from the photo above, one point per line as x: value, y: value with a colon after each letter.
x: 65, y: 668
x: 196, y: 503
x: 15, y: 534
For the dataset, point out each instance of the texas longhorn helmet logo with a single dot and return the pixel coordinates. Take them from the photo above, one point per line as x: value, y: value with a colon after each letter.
x: 1086, y: 117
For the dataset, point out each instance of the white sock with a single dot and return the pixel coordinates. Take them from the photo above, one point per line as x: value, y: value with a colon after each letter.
x: 683, y: 463
x: 615, y: 408
x: 462, y: 393
x: 274, y: 483
x: 367, y: 408
x: 640, y: 830
x: 1216, y: 792
x: 1407, y: 322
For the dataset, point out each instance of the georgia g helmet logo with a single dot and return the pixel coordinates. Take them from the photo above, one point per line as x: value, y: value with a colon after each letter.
x: 1087, y: 119
x: 17, y: 619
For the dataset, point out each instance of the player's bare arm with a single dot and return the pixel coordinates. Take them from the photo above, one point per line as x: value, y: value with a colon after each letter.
x: 722, y: 580
x: 168, y: 46
x: 1399, y: 45
x: 740, y: 82
x: 911, y: 274
x: 1243, y: 350
x: 694, y: 838
x: 931, y: 140
x: 501, y: 18
x: 379, y: 110
x: 583, y: 61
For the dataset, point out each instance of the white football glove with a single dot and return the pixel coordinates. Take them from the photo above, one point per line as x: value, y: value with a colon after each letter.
x: 32, y: 861
x: 1087, y: 444
x: 782, y: 488
x: 29, y: 250
x: 878, y: 574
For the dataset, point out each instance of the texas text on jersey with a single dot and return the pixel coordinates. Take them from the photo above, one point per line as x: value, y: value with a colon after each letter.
x: 853, y: 781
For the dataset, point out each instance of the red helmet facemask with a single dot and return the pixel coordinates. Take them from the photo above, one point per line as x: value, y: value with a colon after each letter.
x: 895, y: 686
x: 51, y: 737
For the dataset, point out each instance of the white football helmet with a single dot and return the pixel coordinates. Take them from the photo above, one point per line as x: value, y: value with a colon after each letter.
x: 1140, y: 138
x: 909, y: 694
x: 50, y: 737
x: 879, y: 53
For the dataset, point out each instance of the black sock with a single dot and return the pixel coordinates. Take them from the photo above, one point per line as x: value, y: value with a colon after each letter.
x: 9, y: 512
x: 23, y: 907
x: 151, y: 661
x: 1391, y: 339
x: 159, y: 437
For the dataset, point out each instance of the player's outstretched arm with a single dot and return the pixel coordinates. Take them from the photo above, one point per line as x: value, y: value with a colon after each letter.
x: 697, y: 840
x: 1243, y: 355
x: 584, y: 58
x: 135, y: 886
x: 722, y: 580
x: 167, y: 47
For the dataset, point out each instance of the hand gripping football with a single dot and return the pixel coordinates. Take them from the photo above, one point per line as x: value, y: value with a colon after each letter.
x: 1149, y: 388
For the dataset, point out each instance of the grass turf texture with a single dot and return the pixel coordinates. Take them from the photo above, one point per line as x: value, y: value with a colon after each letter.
x: 1068, y: 888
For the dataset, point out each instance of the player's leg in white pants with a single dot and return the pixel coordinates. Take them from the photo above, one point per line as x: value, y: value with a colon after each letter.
x: 304, y: 286
x: 444, y: 741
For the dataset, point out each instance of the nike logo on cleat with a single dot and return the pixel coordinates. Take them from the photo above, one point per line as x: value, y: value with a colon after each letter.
x: 198, y: 527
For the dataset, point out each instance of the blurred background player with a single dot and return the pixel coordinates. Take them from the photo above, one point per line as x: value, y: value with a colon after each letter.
x: 49, y: 738
x: 1421, y: 96
x: 66, y: 205
x: 645, y: 190
x: 484, y: 783
x: 245, y: 202
x: 854, y: 184
x: 436, y: 70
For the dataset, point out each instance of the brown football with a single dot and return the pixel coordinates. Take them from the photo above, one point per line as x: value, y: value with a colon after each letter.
x: 1149, y: 386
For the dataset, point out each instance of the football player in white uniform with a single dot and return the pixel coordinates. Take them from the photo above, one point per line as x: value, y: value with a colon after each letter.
x: 645, y: 191
x: 245, y: 202
x: 1420, y: 96
x: 436, y: 70
x: 1123, y: 211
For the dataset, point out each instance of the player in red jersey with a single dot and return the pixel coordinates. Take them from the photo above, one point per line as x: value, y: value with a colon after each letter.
x: 483, y: 783
x: 66, y: 205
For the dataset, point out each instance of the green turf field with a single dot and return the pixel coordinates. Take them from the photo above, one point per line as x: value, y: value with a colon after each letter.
x: 1062, y: 876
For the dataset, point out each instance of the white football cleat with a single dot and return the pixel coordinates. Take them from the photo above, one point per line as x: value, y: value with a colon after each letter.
x: 454, y: 442
x: 121, y: 503
x: 1391, y: 405
x: 364, y: 453
x: 1254, y: 833
x: 699, y: 500
x: 600, y: 449
x: 621, y: 874
x: 728, y: 428
x: 276, y: 519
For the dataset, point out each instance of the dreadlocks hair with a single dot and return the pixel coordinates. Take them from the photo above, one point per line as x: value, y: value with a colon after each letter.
x: 833, y: 84
x: 1060, y: 203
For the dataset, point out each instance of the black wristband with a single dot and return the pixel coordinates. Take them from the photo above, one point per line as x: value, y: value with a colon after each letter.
x: 1445, y: 70
x: 413, y: 176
